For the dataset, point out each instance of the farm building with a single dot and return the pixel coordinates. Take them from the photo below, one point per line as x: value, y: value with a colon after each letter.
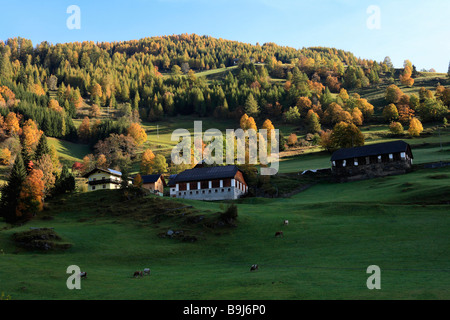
x: 370, y: 161
x: 209, y: 183
x: 99, y: 179
x: 155, y: 183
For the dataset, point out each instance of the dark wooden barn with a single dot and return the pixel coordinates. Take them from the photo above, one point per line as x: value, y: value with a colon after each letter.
x: 370, y: 161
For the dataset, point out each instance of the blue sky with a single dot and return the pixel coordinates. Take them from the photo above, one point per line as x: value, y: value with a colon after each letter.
x: 409, y: 29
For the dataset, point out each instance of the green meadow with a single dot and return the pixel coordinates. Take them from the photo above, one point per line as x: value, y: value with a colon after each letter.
x: 335, y: 232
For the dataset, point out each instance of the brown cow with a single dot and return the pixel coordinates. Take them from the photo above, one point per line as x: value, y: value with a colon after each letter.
x: 279, y: 234
x: 137, y: 274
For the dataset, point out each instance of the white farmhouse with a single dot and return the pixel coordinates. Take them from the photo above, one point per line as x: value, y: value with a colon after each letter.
x: 100, y: 179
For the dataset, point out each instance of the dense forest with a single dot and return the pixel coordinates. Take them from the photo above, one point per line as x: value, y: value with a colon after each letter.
x: 155, y: 77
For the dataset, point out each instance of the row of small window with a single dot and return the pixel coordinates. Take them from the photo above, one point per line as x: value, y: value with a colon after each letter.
x: 104, y: 187
x: 203, y: 191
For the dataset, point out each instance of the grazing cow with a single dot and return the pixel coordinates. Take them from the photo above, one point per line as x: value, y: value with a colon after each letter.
x: 254, y: 267
x: 83, y: 275
x: 279, y: 234
x: 286, y: 222
x: 137, y: 274
x: 146, y: 271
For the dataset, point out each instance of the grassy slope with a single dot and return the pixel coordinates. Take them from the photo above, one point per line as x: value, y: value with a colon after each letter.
x: 69, y: 151
x: 336, y: 231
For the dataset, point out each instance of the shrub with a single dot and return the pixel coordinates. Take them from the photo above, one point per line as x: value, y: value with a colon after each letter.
x: 396, y: 128
x: 230, y: 214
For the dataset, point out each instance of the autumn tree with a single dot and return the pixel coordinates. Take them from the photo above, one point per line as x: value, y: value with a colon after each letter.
x: 251, y: 124
x: 30, y: 137
x: 325, y: 140
x: 89, y: 163
x: 118, y: 149
x: 94, y: 111
x: 292, y: 139
x: 12, y: 123
x: 147, y: 161
x: 343, y: 94
x: 176, y: 70
x: 31, y: 195
x: 415, y: 127
x: 84, y: 130
x: 347, y: 135
x: 405, y: 77
x: 335, y: 113
x: 5, y: 156
x: 96, y: 91
x: 268, y: 126
x: 54, y: 105
x: 333, y: 84
x: 243, y: 122
x: 365, y: 107
x: 393, y: 94
x: 45, y: 164
x: 357, y: 116
x: 390, y: 112
x: 137, y: 133
x: 396, y: 128
x: 304, y: 104
x: 160, y: 164
x: 137, y: 181
x: 101, y: 161
x: 425, y: 94
x: 76, y: 99
x: 405, y: 113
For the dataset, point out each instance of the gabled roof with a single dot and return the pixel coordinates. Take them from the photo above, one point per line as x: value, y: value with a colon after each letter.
x: 372, y: 150
x: 110, y: 171
x: 172, y: 180
x: 206, y: 173
x: 152, y: 178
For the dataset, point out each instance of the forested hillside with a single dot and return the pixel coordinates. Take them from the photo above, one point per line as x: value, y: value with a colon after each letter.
x: 106, y: 95
x: 109, y: 74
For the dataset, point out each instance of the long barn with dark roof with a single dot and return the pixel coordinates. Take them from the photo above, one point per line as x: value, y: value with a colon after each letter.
x: 370, y: 161
x: 209, y: 183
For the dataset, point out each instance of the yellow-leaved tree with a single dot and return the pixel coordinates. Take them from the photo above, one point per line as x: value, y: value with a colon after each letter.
x: 137, y: 133
x: 147, y: 161
x: 415, y: 127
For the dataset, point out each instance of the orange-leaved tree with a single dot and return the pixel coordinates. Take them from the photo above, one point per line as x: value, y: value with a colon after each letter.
x: 31, y: 195
x: 137, y: 133
x: 147, y: 161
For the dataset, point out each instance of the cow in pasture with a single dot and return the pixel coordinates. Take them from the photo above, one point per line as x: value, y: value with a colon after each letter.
x: 147, y: 271
x: 254, y: 267
x: 286, y: 222
x: 137, y: 274
x: 83, y: 274
x: 279, y: 234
